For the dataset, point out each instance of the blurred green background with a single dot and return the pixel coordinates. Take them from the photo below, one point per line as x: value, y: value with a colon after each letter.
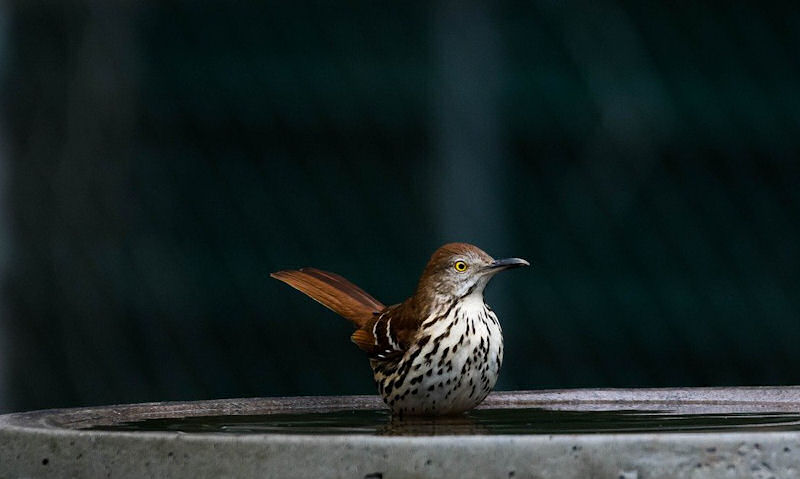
x: 159, y: 160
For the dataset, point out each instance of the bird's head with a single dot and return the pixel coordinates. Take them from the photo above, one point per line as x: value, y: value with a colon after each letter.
x: 458, y: 270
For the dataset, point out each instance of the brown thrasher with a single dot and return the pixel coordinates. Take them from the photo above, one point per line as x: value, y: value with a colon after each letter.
x: 438, y: 352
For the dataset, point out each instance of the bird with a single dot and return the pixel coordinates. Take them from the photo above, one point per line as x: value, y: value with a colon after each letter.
x: 438, y: 352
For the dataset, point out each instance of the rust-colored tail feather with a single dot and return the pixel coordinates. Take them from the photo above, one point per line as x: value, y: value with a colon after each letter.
x: 334, y: 292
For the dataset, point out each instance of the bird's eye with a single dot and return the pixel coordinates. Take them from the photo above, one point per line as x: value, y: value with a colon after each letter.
x: 460, y: 266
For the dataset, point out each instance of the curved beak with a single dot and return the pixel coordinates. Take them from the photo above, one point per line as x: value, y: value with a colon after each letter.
x: 507, y: 263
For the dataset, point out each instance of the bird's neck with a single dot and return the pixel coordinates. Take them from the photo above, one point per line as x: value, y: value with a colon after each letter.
x: 474, y: 300
x: 431, y: 301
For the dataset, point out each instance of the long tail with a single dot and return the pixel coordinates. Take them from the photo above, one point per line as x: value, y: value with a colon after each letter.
x: 333, y: 292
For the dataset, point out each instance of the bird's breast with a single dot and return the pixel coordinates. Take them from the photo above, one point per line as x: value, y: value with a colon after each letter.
x: 452, y: 365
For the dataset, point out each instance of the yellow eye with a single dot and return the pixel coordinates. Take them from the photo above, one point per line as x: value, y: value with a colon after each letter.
x: 460, y: 266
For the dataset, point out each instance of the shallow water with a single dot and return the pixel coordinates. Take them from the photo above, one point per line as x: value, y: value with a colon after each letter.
x: 478, y: 422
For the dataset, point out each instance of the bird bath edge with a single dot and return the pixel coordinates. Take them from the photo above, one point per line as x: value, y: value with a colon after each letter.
x: 58, y: 443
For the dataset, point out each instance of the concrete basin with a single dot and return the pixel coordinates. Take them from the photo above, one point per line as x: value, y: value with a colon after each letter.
x: 59, y: 443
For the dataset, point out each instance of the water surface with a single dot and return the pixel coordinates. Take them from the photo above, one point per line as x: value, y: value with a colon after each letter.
x: 477, y: 422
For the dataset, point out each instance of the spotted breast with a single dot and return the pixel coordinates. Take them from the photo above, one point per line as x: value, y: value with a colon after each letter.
x: 450, y: 368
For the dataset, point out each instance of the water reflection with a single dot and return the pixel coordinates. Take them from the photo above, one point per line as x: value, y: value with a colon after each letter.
x: 436, y: 426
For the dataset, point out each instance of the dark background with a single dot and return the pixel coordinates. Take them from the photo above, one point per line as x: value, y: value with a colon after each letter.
x: 158, y: 161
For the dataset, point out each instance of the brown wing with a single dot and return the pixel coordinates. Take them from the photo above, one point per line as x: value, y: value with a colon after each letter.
x: 388, y: 334
x: 334, y: 292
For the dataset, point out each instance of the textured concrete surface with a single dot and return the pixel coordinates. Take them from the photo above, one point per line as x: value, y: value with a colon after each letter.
x: 47, y: 443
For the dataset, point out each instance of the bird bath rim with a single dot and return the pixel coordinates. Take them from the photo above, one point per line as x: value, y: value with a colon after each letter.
x: 50, y: 443
x: 709, y: 400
